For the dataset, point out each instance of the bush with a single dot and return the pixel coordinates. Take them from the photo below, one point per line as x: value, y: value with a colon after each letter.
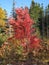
x: 2, y: 39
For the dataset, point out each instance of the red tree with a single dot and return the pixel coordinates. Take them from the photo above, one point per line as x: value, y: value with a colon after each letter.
x: 22, y: 27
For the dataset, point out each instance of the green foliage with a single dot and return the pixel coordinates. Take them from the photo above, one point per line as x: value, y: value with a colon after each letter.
x: 35, y: 11
x: 2, y: 39
x: 47, y: 21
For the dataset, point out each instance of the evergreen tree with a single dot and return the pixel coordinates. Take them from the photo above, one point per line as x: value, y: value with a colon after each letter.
x: 34, y: 11
x: 36, y: 14
x: 47, y: 20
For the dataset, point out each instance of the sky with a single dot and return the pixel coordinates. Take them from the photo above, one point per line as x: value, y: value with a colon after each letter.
x: 7, y: 4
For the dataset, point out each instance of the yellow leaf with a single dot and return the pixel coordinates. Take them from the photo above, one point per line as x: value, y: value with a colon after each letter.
x: 2, y: 17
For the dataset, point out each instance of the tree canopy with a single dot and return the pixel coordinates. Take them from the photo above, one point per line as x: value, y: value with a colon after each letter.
x: 35, y: 10
x: 2, y: 17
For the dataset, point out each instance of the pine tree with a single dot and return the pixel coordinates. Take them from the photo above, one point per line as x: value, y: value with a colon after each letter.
x: 35, y: 13
x: 47, y: 20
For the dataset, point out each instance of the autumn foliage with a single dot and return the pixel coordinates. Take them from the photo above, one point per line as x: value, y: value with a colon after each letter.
x: 2, y: 17
x: 23, y: 29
